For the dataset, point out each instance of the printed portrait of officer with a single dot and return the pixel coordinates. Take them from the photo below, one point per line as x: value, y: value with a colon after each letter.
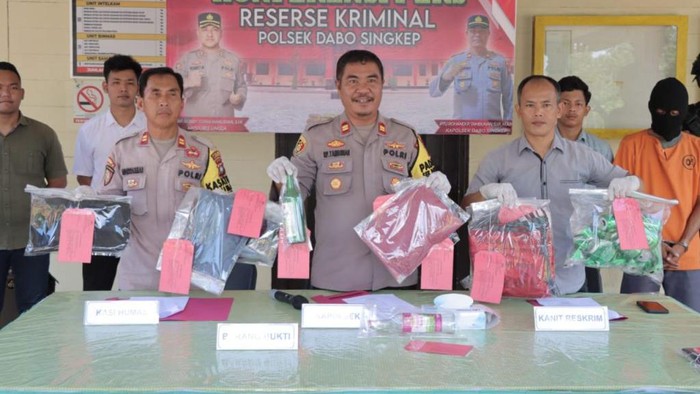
x: 214, y: 77
x: 481, y: 78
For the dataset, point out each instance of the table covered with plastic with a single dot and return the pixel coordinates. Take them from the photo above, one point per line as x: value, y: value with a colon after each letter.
x: 48, y: 349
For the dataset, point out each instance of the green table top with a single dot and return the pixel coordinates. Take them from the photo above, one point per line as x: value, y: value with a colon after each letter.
x: 48, y: 349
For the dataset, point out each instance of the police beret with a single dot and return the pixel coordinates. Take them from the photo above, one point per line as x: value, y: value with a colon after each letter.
x: 209, y: 19
x: 478, y: 21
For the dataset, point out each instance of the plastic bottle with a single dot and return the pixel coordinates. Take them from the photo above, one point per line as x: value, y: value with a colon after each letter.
x: 293, y: 210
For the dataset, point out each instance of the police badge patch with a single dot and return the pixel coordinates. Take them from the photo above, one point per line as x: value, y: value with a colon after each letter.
x: 336, y: 165
x: 395, y: 145
x: 335, y: 144
x: 216, y: 156
x: 301, y: 145
x: 191, y: 165
x: 109, y: 171
x: 192, y: 152
x: 336, y: 183
x: 396, y: 166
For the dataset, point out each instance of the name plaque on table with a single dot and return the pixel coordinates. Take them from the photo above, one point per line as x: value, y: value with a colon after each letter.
x: 121, y: 312
x: 257, y: 336
x: 575, y: 318
x: 331, y: 315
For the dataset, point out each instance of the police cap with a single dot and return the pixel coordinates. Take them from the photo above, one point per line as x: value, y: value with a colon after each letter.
x: 478, y: 21
x: 209, y: 19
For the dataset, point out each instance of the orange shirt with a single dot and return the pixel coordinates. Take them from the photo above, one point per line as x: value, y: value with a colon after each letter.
x: 672, y: 173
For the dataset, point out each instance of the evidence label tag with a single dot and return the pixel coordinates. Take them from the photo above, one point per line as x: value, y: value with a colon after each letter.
x: 257, y: 336
x: 573, y: 318
x: 120, y: 312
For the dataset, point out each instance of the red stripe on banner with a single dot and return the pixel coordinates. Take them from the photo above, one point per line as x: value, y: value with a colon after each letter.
x: 508, y: 7
x: 502, y: 14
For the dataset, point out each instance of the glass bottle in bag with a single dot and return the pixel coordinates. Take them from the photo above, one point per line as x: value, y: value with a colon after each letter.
x: 293, y: 210
x: 400, y: 323
x: 448, y: 322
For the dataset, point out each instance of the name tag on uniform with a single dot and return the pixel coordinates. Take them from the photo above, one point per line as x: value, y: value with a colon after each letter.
x: 576, y: 318
x: 257, y: 336
x: 331, y: 315
x: 120, y: 312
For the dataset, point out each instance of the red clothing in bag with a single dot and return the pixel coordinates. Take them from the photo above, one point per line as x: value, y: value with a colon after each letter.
x: 526, y: 243
x: 402, y: 231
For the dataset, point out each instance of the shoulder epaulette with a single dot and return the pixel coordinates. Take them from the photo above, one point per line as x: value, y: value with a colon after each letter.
x: 319, y: 120
x: 202, y: 141
x: 126, y: 137
x: 406, y: 125
x: 228, y: 54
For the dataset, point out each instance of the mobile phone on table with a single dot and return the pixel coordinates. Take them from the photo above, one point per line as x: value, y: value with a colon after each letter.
x: 652, y: 307
x: 693, y: 354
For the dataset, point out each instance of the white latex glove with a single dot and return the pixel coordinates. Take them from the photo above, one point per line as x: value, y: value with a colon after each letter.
x: 280, y: 168
x: 504, y: 192
x: 438, y: 182
x: 622, y: 187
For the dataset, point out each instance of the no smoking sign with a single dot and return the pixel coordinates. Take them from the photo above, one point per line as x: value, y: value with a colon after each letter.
x: 90, y: 99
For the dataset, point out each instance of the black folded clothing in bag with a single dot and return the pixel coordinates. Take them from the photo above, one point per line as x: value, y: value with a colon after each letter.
x: 215, y: 250
x: 112, y: 225
x: 112, y: 220
x: 202, y: 218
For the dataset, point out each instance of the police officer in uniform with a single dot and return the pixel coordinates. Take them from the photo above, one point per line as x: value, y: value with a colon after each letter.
x: 156, y: 167
x: 350, y: 160
x: 692, y: 119
x: 213, y: 76
x: 482, y: 81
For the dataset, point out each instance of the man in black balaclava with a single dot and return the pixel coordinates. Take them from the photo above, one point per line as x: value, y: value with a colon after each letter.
x: 692, y: 119
x: 668, y: 105
x: 666, y: 160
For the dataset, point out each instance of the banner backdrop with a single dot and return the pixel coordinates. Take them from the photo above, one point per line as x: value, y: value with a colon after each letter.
x: 272, y: 67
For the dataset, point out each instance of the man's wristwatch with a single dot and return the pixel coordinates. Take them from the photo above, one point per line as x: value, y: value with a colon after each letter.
x: 683, y: 244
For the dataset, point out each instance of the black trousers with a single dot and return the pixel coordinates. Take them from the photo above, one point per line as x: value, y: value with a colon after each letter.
x: 100, y: 273
x: 594, y: 281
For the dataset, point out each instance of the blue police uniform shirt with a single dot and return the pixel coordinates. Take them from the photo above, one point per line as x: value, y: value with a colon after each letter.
x: 480, y: 89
